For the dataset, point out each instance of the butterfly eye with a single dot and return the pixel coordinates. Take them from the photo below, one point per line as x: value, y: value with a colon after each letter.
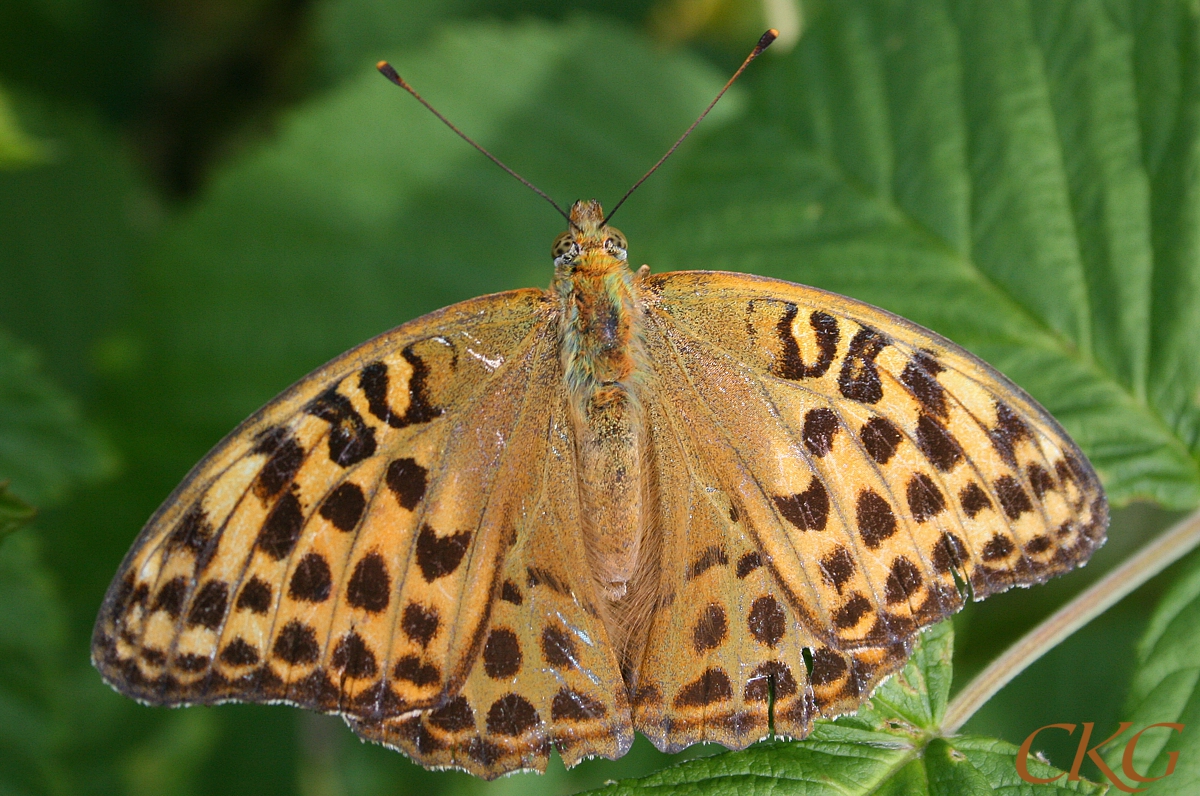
x: 615, y: 244
x: 565, y: 249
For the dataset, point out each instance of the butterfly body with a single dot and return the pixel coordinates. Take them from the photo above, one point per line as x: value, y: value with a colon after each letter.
x: 705, y: 506
x: 604, y: 367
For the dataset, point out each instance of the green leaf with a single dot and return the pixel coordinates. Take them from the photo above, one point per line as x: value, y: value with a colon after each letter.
x: 17, y: 148
x: 32, y: 636
x: 1019, y: 176
x: 890, y: 747
x: 1165, y: 690
x: 14, y: 512
x: 45, y: 446
x: 74, y: 233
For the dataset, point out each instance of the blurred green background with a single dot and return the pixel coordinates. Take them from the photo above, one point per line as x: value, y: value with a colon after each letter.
x: 203, y: 200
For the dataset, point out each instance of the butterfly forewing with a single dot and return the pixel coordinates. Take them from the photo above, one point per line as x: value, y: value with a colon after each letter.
x: 279, y: 568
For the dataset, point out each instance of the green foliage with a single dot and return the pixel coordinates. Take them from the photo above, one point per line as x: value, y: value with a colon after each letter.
x: 44, y: 445
x: 1164, y: 689
x: 16, y: 148
x: 14, y: 512
x: 892, y: 746
x: 1019, y: 176
x: 32, y: 637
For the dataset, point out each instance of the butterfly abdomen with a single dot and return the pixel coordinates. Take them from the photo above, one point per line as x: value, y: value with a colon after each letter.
x: 601, y: 354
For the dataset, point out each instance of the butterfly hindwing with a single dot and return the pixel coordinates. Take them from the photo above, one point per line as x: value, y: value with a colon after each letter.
x: 543, y: 674
x: 721, y: 644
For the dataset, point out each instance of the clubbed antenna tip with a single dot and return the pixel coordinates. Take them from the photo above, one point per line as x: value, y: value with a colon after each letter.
x: 764, y: 42
x: 388, y: 71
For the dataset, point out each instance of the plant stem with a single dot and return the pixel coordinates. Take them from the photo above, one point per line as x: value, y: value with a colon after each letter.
x: 1098, y: 598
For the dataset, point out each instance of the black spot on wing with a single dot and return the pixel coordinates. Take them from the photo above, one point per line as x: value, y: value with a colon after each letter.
x: 255, y: 596
x: 311, y: 580
x: 998, y: 547
x: 949, y: 553
x: 1041, y: 481
x: 296, y: 644
x: 353, y: 657
x: 974, y: 499
x: 572, y: 706
x: 558, y: 648
x: 239, y: 652
x: 269, y: 439
x: 859, y: 378
x: 511, y: 593
x: 279, y: 470
x: 807, y: 510
x: 852, y: 611
x: 748, y: 563
x: 512, y: 715
x: 1038, y: 544
x: 767, y: 621
x: 820, y: 426
x: 351, y: 440
x: 791, y: 365
x: 170, y: 597
x: 1012, y: 497
x: 417, y: 672
x: 711, y: 687
x: 370, y: 585
x: 208, y: 608
x: 420, y: 623
x: 455, y: 716
x: 537, y: 576
x: 880, y: 438
x: 925, y: 500
x: 904, y: 580
x: 828, y: 666
x: 407, y: 480
x: 937, y: 444
x: 195, y: 534
x: 837, y: 567
x: 373, y: 379
x: 920, y: 376
x: 767, y: 675
x: 710, y: 629
x: 712, y: 556
x: 344, y: 506
x: 502, y: 654
x: 1009, y: 430
x: 876, y: 521
x: 438, y: 556
x: 281, y: 531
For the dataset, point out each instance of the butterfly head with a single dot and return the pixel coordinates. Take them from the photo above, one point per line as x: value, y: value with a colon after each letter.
x: 588, y: 238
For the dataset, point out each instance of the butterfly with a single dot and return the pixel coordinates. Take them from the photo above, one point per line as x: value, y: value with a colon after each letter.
x: 703, y: 506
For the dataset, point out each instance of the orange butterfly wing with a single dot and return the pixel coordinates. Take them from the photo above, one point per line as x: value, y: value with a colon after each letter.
x: 830, y: 471
x: 359, y: 547
x: 398, y: 538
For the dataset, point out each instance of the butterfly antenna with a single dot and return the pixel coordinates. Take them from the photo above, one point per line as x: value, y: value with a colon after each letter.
x: 763, y: 43
x: 390, y: 73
